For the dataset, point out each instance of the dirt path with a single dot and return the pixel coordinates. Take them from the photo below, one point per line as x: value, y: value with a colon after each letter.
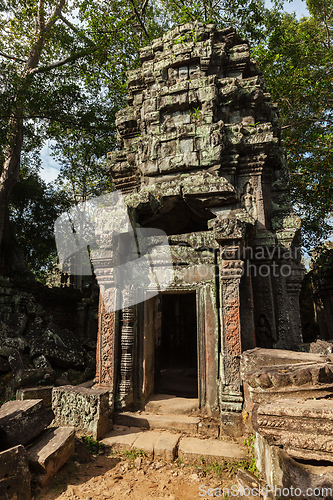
x: 110, y: 476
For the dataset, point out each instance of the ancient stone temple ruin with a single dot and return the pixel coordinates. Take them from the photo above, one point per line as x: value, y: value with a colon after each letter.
x: 199, y: 158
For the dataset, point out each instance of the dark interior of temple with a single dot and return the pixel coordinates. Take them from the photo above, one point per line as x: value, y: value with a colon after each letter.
x: 176, y: 357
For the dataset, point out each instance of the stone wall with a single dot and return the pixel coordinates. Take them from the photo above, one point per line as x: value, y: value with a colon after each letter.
x: 317, y: 295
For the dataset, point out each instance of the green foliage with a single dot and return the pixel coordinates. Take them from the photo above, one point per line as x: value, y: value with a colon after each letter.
x: 195, y: 113
x: 252, y: 465
x: 322, y: 260
x: 296, y: 60
x: 131, y: 454
x: 33, y: 208
x: 248, y: 17
x: 225, y: 467
x: 93, y: 446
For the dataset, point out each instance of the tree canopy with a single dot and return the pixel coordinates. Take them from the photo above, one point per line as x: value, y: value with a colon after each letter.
x: 297, y: 62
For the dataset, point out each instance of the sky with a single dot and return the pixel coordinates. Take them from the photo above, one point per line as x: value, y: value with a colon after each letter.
x: 50, y: 167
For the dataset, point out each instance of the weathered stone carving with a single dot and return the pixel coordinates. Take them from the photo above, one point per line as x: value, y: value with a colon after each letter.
x: 200, y: 158
x: 249, y: 200
x: 288, y: 479
x: 275, y: 375
x: 302, y: 427
x: 264, y: 335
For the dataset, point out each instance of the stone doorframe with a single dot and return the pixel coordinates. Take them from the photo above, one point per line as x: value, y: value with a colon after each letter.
x: 207, y: 341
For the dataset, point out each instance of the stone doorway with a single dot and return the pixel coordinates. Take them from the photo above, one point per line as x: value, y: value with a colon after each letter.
x: 176, y: 358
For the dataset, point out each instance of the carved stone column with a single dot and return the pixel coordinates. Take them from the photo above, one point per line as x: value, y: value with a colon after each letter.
x: 230, y: 274
x: 106, y: 354
x: 230, y: 234
x: 125, y: 392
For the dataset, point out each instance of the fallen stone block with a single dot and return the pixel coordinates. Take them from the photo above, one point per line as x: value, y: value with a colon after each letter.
x: 57, y: 355
x: 15, y: 362
x: 250, y: 486
x: 22, y: 421
x: 18, y: 343
x: 6, y: 330
x: 4, y: 365
x: 41, y: 362
x: 256, y: 358
x: 212, y: 450
x: 85, y: 409
x: 321, y: 347
x: 288, y: 479
x: 272, y: 375
x: 50, y: 452
x: 303, y: 428
x: 14, y: 474
x: 17, y: 322
x: 44, y: 393
x: 34, y: 376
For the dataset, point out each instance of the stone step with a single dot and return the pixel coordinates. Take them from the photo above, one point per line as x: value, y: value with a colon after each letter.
x: 181, y: 423
x: 154, y: 444
x: 121, y: 437
x: 211, y: 450
x: 164, y: 404
x: 168, y: 446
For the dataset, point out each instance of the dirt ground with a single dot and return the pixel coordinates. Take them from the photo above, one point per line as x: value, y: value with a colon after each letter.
x: 120, y: 476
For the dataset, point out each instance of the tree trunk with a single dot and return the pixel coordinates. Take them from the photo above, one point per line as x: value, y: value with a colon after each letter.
x: 12, y: 261
x: 11, y: 167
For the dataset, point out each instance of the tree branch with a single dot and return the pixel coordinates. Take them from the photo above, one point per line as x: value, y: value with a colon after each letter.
x: 76, y: 30
x: 143, y: 8
x: 62, y: 62
x: 41, y: 18
x: 54, y: 16
x: 139, y: 18
x: 11, y: 57
x: 182, y: 5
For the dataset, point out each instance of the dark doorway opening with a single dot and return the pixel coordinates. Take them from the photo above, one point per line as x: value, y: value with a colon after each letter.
x: 176, y: 367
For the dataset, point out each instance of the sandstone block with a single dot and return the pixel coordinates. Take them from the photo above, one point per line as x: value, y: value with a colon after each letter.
x: 15, y: 362
x: 34, y: 376
x: 122, y: 438
x: 50, y: 452
x: 44, y: 393
x: 14, y: 474
x: 85, y: 409
x: 302, y: 428
x: 285, y: 475
x: 254, y: 359
x: 146, y: 442
x: 166, y: 446
x: 272, y: 375
x: 212, y: 450
x: 22, y: 421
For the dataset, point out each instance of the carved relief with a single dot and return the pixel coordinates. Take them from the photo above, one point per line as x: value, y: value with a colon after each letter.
x: 249, y: 200
x: 264, y: 335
